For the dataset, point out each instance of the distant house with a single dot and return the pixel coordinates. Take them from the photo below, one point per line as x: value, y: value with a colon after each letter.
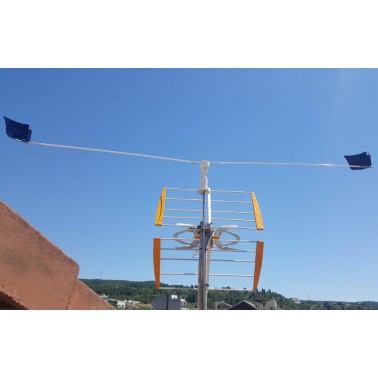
x: 244, y: 305
x: 269, y: 305
x: 219, y: 306
x: 169, y: 302
x: 126, y: 304
x: 121, y: 304
x: 113, y: 302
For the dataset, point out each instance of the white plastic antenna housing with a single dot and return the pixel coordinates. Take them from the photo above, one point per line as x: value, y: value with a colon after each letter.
x: 204, y: 185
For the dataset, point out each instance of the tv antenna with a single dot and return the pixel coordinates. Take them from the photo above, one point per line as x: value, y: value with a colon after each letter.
x: 208, y: 237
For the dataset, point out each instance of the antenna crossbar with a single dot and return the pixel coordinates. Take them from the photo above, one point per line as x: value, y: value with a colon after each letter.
x: 180, y: 225
x: 113, y: 152
x: 289, y: 164
x: 196, y: 259
x: 200, y: 218
x: 225, y: 201
x: 183, y: 199
x: 228, y: 250
x: 210, y: 288
x: 213, y: 211
x: 213, y: 274
x: 220, y: 240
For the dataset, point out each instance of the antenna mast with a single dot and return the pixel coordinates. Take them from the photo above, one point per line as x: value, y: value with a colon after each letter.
x: 207, y: 233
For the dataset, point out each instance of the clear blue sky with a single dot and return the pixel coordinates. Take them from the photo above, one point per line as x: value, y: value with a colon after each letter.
x: 320, y: 223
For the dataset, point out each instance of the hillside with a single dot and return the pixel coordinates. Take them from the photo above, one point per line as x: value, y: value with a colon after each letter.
x: 145, y: 292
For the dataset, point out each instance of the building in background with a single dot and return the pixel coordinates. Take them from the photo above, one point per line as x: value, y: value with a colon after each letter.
x: 169, y: 302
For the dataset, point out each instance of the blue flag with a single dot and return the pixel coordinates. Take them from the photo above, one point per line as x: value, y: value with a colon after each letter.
x: 362, y: 160
x: 18, y: 131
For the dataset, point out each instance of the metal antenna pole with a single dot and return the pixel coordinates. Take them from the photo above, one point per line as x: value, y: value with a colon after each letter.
x: 202, y: 262
x: 206, y: 235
